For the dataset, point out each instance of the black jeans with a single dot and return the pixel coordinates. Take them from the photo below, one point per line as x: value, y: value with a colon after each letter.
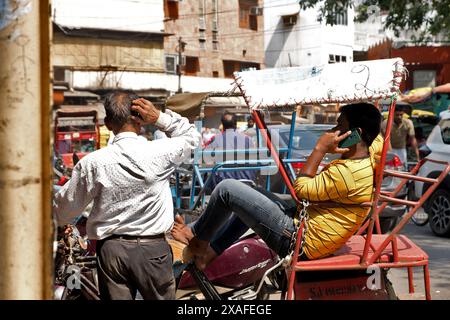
x: 125, y: 266
x: 270, y: 217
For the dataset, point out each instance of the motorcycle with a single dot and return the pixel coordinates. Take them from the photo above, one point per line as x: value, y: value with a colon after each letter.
x: 250, y: 270
x: 75, y: 274
x: 239, y: 273
x: 75, y: 265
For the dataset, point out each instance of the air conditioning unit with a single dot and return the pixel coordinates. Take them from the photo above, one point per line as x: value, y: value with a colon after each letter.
x: 290, y: 20
x: 256, y: 11
x: 171, y: 64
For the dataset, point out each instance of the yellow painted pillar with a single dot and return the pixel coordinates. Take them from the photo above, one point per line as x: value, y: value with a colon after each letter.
x: 25, y: 157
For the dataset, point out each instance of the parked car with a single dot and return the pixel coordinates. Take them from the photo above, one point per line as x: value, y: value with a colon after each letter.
x: 437, y: 206
x: 305, y: 138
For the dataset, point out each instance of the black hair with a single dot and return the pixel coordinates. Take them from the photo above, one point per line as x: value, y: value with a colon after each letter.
x: 365, y: 116
x: 400, y: 107
x: 118, y: 106
x: 229, y: 120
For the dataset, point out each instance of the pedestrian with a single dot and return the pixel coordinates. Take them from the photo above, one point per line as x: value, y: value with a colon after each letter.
x: 207, y: 136
x: 250, y: 130
x: 128, y: 182
x: 231, y: 139
x: 402, y: 132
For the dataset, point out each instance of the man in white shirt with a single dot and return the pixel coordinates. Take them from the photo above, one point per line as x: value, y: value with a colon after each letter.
x: 128, y: 182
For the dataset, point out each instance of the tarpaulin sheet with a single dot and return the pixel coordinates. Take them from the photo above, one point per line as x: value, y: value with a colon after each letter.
x: 331, y: 83
x: 186, y: 104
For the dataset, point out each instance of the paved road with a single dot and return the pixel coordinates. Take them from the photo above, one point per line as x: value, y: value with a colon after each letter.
x: 438, y: 250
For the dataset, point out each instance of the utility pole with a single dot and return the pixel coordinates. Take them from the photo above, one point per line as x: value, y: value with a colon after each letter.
x: 180, y: 50
x: 25, y: 160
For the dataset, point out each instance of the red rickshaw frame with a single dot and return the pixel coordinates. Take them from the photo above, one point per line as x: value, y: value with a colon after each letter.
x: 369, y: 249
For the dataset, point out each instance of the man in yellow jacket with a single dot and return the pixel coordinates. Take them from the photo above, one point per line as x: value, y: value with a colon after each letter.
x: 344, y: 182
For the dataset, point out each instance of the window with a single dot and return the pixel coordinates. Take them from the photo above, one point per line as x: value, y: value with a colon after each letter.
x: 333, y: 58
x: 215, y: 30
x: 202, y: 44
x: 215, y: 18
x: 202, y: 39
x: 253, y: 23
x: 192, y: 66
x: 215, y: 41
x: 215, y: 74
x: 424, y: 78
x: 246, y: 20
x: 61, y: 74
x: 445, y: 131
x: 229, y: 67
x: 201, y: 24
x: 290, y: 20
x: 201, y: 15
x: 171, y: 9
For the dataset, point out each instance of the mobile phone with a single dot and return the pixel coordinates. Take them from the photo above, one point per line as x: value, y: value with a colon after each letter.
x: 351, y: 140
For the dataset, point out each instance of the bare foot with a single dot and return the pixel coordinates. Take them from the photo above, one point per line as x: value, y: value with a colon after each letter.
x: 202, y: 261
x: 202, y: 252
x: 181, y: 231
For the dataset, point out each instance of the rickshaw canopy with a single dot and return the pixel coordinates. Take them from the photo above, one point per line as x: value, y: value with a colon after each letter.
x: 286, y: 88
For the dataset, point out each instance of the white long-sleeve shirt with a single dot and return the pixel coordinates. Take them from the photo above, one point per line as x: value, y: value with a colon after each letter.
x: 128, y: 182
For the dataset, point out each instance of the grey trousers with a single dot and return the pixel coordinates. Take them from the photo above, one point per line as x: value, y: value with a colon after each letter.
x: 126, y: 266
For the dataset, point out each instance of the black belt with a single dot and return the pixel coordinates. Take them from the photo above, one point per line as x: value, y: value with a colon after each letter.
x: 136, y: 238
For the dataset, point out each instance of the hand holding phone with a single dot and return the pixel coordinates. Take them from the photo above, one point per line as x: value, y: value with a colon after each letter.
x: 351, y: 140
x: 329, y: 142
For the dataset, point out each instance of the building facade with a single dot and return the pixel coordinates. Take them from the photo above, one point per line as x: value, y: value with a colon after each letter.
x: 218, y: 37
x: 98, y: 44
x: 294, y: 37
x: 427, y: 65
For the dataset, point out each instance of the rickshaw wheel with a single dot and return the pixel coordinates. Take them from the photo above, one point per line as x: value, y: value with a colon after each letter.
x: 389, y: 287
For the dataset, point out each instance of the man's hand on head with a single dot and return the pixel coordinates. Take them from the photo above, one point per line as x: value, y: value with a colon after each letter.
x: 148, y: 112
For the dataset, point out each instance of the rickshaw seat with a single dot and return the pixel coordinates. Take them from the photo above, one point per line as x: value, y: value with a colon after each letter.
x: 349, y: 256
x: 407, y: 249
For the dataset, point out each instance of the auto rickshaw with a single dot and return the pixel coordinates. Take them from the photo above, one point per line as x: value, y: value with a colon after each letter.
x: 77, y: 133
